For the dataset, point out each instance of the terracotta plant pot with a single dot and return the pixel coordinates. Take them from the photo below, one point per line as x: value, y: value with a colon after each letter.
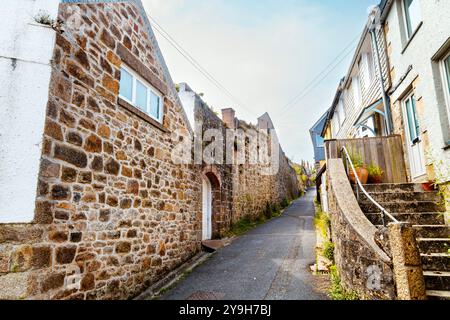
x: 428, y: 186
x: 376, y: 179
x: 363, y: 175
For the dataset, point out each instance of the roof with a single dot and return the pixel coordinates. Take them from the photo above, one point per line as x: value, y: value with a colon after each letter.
x: 320, y: 124
x: 266, y: 118
x: 332, y: 109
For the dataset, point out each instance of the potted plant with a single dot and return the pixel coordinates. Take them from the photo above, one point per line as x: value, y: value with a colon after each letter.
x: 429, y: 186
x: 375, y: 174
x: 360, y: 168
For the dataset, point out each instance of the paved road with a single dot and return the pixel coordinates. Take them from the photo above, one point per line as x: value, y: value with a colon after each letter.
x: 270, y: 262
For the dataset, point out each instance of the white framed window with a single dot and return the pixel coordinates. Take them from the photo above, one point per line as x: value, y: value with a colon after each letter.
x: 413, y: 16
x: 368, y: 68
x: 139, y: 93
x: 445, y: 67
x: 341, y: 112
x: 412, y: 119
x: 335, y: 126
x: 356, y: 86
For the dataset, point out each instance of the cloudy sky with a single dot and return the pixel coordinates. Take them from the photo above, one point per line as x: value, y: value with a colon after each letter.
x: 266, y: 53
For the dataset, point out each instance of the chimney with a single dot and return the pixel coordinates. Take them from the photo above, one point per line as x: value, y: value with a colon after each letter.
x: 228, y: 117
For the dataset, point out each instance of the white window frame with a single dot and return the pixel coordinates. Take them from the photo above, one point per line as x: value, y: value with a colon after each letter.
x: 335, y: 123
x: 406, y: 17
x: 341, y: 112
x: 357, y: 93
x: 410, y: 98
x: 445, y: 83
x: 150, y: 89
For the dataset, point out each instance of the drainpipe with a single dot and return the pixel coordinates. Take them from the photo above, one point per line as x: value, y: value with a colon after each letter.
x: 374, y: 22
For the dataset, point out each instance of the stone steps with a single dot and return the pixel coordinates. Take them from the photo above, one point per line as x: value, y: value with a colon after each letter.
x: 431, y: 231
x: 435, y: 280
x: 423, y: 218
x: 436, y: 262
x: 438, y: 294
x: 401, y: 196
x: 392, y: 187
x: 425, y: 211
x: 433, y: 245
x: 404, y: 207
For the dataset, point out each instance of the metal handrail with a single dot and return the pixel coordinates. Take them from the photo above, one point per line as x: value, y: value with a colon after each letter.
x: 359, y: 185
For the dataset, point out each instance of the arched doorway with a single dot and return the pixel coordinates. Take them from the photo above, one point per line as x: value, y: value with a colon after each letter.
x: 207, y: 210
x: 211, y: 204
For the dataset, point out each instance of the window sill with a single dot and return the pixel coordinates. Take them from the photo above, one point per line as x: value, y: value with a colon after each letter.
x: 412, y: 37
x: 141, y: 114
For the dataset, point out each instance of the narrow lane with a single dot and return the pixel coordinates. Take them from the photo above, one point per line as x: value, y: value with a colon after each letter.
x: 270, y: 262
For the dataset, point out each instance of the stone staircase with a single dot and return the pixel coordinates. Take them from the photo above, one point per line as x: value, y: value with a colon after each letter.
x: 426, y: 212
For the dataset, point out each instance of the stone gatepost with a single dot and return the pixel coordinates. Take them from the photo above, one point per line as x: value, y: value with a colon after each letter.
x: 407, y: 262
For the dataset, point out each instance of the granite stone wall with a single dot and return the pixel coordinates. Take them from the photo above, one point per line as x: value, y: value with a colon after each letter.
x: 113, y: 213
x: 243, y: 191
x: 363, y: 266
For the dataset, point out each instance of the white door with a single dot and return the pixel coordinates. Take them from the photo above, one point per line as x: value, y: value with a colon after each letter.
x: 414, y: 138
x: 207, y: 210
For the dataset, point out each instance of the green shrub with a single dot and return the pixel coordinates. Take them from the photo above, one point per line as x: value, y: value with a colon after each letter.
x: 322, y: 221
x: 328, y: 250
x: 356, y: 158
x: 285, y: 203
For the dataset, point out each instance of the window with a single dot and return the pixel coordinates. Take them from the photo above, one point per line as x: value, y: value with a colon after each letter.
x: 411, y: 117
x: 445, y: 63
x: 335, y: 124
x: 319, y: 141
x: 356, y: 91
x: 341, y: 112
x: 412, y: 15
x: 140, y: 94
x: 366, y: 70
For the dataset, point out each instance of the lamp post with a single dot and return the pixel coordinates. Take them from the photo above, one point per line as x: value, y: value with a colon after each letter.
x: 373, y: 25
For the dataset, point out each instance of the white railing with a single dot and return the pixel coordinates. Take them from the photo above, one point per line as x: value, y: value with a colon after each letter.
x: 384, y: 213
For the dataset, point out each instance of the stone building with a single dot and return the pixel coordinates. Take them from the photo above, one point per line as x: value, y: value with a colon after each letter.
x: 97, y: 207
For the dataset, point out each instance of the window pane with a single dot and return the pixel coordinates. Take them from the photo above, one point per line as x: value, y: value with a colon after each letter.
x: 319, y: 141
x: 154, y: 105
x: 413, y: 124
x: 141, y: 96
x: 416, y: 119
x: 413, y: 15
x: 447, y: 71
x: 126, y: 85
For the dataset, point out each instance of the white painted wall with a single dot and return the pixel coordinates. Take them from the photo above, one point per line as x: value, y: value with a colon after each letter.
x: 425, y: 44
x: 188, y: 99
x: 25, y: 52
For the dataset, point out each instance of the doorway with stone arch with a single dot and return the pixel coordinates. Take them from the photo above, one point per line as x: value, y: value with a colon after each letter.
x: 210, y: 203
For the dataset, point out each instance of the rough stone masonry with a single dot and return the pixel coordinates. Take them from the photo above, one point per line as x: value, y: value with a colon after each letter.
x: 113, y: 212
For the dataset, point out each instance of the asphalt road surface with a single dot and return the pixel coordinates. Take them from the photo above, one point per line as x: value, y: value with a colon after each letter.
x: 270, y: 262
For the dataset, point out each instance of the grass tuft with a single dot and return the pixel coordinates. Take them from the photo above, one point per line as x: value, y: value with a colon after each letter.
x: 337, y: 292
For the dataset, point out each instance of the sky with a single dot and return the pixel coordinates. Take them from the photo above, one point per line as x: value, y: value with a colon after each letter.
x: 281, y: 57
